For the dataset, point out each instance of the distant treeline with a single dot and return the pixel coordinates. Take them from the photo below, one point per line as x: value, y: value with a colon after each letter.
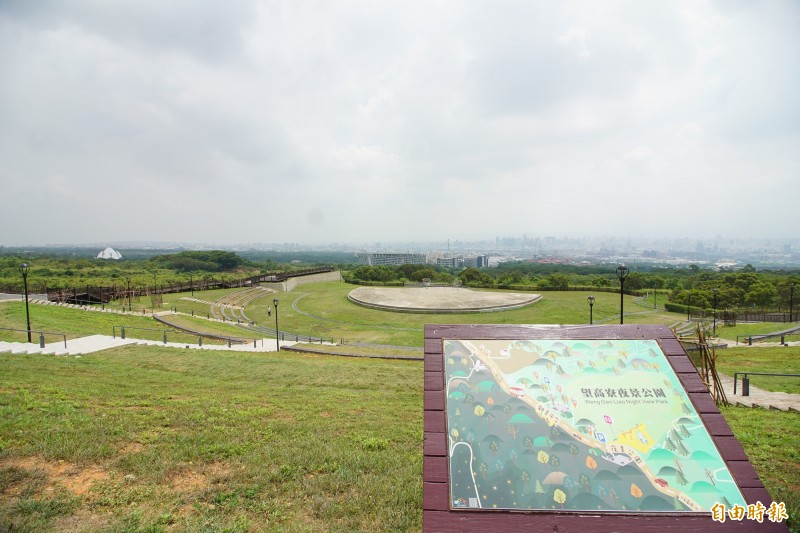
x: 137, y: 254
x: 746, y: 288
x: 741, y: 289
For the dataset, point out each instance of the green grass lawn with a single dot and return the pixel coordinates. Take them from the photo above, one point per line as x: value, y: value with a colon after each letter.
x: 153, y: 439
x: 142, y: 438
x: 770, y: 439
x: 71, y: 322
x: 760, y: 328
x: 774, y: 360
x: 149, y: 438
x: 322, y: 309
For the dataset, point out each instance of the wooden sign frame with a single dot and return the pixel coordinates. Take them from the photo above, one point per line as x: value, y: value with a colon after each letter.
x: 437, y: 514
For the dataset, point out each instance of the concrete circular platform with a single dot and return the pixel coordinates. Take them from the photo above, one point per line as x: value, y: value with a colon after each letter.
x: 439, y: 299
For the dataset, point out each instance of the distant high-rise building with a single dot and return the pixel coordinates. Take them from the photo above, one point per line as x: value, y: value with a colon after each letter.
x: 374, y: 259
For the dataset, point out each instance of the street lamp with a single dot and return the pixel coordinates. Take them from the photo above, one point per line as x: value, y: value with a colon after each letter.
x: 590, y: 299
x: 23, y: 269
x: 277, y: 334
x: 129, y: 295
x: 622, y: 273
x: 715, y: 312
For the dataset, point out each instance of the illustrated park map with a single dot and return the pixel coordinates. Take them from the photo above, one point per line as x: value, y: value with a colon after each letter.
x: 576, y: 425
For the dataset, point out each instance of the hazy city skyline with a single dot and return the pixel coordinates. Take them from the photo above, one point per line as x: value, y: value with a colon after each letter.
x: 364, y: 122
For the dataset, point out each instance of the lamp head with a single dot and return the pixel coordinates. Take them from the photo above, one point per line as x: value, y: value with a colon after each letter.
x: 622, y: 272
x: 24, y: 268
x: 591, y: 300
x: 275, y: 303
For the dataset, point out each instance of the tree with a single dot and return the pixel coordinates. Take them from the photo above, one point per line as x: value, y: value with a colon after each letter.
x: 470, y: 275
x: 761, y: 294
x: 421, y: 274
x: 407, y: 271
x: 655, y: 282
x: 374, y: 273
x: 560, y: 497
x: 543, y: 457
x: 601, y: 281
x: 635, y: 281
x: 557, y: 281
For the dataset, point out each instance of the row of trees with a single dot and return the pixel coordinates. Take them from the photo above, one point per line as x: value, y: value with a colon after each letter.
x: 61, y: 272
x: 745, y: 288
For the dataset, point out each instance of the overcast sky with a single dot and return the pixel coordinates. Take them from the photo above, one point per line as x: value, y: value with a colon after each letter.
x: 361, y: 121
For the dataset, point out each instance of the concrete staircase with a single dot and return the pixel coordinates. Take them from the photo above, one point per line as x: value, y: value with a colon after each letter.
x: 96, y: 343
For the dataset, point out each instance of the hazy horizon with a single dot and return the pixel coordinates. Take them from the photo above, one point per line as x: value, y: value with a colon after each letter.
x: 298, y: 122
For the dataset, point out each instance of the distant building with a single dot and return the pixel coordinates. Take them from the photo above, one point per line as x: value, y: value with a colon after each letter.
x: 109, y: 253
x: 480, y: 261
x: 375, y: 259
x: 450, y: 262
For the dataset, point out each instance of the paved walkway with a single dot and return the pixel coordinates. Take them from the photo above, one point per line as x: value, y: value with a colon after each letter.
x: 782, y: 401
x: 96, y: 343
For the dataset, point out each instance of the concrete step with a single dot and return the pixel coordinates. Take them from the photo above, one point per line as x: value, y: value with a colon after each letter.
x: 95, y: 343
x: 20, y: 348
x: 55, y: 350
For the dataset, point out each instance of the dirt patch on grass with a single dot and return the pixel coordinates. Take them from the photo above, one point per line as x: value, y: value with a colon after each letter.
x: 76, y: 479
x: 200, y: 477
x: 131, y: 447
x: 82, y: 521
x: 190, y: 481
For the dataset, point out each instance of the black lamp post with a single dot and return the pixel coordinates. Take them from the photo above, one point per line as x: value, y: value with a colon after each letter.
x: 622, y: 273
x: 23, y: 269
x: 689, y: 309
x: 590, y: 299
x: 277, y: 334
x: 715, y: 312
x: 791, y: 302
x: 129, y: 295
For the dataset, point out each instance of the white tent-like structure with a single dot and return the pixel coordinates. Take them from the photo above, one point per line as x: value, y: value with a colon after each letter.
x: 109, y: 253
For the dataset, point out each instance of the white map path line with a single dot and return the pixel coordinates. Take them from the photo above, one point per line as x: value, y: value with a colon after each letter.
x: 471, y: 471
x: 722, y: 480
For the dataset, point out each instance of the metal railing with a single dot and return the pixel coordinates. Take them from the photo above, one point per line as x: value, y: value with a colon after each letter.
x: 746, y: 380
x: 230, y: 340
x: 749, y: 339
x: 125, y: 329
x: 41, y: 335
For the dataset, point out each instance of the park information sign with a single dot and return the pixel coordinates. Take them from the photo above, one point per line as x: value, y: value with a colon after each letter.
x: 578, y: 428
x: 589, y: 425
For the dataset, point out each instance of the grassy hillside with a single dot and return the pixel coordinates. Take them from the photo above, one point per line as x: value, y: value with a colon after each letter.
x: 153, y: 438
x: 141, y: 438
